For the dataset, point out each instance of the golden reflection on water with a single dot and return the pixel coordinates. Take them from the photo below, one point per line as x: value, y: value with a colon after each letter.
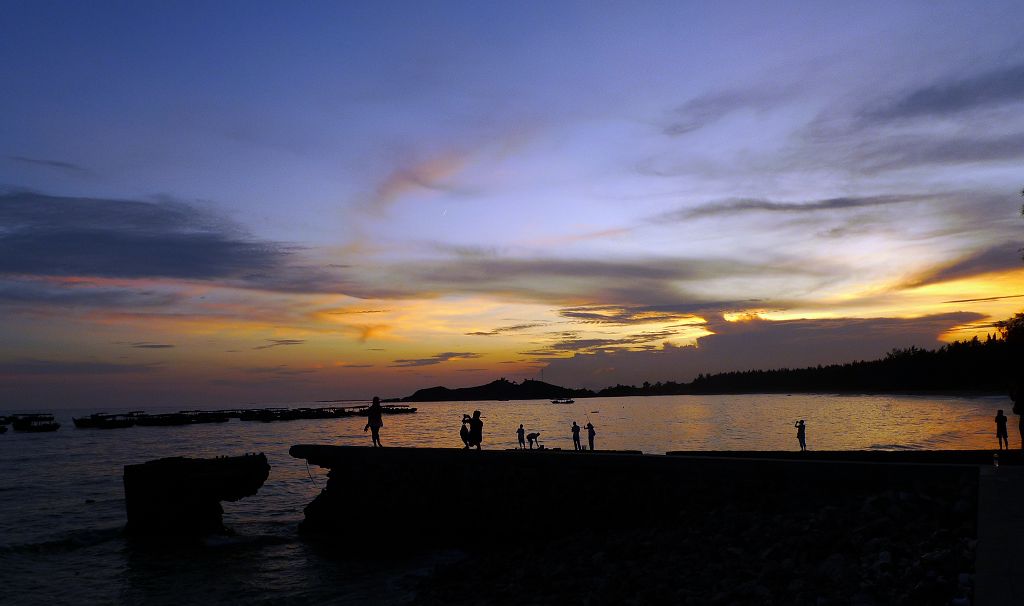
x: 726, y: 422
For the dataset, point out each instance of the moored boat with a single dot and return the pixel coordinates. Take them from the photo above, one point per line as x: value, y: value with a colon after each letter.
x: 34, y: 422
x: 387, y: 409
x: 163, y: 420
x: 206, y: 416
x: 563, y: 401
x: 106, y: 421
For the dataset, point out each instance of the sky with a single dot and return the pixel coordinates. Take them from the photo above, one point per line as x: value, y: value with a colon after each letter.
x: 247, y: 202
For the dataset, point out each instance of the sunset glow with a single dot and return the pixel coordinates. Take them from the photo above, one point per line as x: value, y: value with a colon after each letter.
x: 335, y: 204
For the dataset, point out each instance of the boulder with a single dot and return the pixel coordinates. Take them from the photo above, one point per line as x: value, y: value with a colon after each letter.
x: 181, y: 496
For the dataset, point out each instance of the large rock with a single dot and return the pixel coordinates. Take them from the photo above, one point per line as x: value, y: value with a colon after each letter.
x: 181, y: 496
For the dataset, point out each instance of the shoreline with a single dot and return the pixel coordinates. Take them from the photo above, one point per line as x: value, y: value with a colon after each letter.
x: 953, y: 393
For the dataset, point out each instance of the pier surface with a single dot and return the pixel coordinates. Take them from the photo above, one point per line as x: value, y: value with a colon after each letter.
x: 1000, y: 560
x: 738, y: 527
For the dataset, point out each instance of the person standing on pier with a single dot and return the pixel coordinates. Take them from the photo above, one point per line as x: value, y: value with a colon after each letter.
x: 801, y: 434
x: 521, y: 433
x: 1001, y: 434
x: 464, y: 430
x: 590, y: 434
x: 374, y: 421
x: 576, y: 437
x: 476, y: 430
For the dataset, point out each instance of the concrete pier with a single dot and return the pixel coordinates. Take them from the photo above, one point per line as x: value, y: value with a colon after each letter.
x: 433, y: 492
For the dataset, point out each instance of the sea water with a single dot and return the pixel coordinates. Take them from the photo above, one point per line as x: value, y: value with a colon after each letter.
x: 62, y: 498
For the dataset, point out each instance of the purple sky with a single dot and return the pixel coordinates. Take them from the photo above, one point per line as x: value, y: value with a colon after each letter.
x: 210, y: 202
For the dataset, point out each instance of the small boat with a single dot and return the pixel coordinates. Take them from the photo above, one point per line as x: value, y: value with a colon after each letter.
x: 163, y: 420
x: 36, y: 422
x: 106, y: 421
x: 3, y: 429
x: 266, y: 415
x: 206, y: 416
x: 388, y: 409
x: 563, y: 401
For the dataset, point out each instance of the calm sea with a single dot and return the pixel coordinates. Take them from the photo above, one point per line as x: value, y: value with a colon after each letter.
x: 62, y: 505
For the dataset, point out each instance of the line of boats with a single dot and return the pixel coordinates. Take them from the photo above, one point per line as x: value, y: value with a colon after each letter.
x: 38, y: 422
x: 34, y: 422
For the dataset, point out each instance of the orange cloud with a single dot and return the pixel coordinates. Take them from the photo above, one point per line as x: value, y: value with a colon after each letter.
x: 429, y: 175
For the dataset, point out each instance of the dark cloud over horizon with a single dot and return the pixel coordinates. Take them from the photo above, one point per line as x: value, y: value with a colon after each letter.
x: 757, y: 344
x: 57, y: 236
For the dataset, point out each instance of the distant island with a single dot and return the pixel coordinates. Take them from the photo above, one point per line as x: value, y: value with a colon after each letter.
x: 992, y: 365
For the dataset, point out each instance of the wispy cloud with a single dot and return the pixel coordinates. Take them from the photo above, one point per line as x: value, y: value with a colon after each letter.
x: 148, y: 345
x: 132, y: 239
x: 984, y: 299
x: 430, y: 174
x: 54, y: 164
x: 34, y: 293
x: 435, y: 359
x: 999, y: 257
x: 707, y: 109
x: 572, y: 343
x: 281, y: 370
x: 989, y: 88
x: 504, y: 329
x: 280, y: 343
x: 747, y: 205
x: 622, y: 316
x: 632, y: 281
x: 348, y: 312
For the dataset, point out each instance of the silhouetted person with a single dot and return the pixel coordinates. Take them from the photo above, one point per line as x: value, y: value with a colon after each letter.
x: 476, y: 430
x: 464, y: 431
x: 801, y: 434
x: 576, y: 437
x: 521, y: 434
x: 1020, y: 429
x: 374, y: 421
x: 590, y: 434
x: 1001, y: 433
x: 534, y: 438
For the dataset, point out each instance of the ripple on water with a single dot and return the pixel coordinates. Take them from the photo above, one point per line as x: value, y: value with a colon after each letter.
x: 58, y: 548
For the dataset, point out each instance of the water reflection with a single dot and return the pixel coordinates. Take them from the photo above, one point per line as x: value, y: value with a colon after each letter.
x: 62, y: 507
x: 727, y: 422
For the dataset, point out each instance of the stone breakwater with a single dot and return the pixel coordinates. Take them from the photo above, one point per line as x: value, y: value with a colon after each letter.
x: 594, y: 528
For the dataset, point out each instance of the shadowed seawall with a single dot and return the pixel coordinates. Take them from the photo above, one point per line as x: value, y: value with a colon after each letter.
x: 428, y: 494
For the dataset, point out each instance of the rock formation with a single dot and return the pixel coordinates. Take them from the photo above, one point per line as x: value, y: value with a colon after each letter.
x: 181, y: 496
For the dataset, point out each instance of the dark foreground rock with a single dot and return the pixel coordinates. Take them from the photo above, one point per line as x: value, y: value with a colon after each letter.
x: 180, y: 496
x: 569, y: 528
